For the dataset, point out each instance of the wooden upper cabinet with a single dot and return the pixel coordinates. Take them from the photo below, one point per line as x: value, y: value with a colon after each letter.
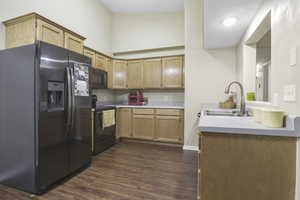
x: 152, y: 69
x: 49, y: 33
x: 73, y: 43
x: 135, y: 74
x: 101, y: 62
x: 27, y: 29
x: 109, y: 68
x: 172, y: 72
x: 119, y: 74
x: 20, y: 31
x: 91, y: 54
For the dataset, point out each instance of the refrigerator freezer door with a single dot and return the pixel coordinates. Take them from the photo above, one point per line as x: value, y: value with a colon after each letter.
x: 17, y: 118
x: 53, y: 154
x: 80, y: 136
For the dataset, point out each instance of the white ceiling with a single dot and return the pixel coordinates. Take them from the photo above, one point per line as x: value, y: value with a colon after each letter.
x: 144, y: 6
x: 216, y: 35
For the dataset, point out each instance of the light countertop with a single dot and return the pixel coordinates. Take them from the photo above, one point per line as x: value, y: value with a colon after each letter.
x: 149, y: 106
x: 245, y: 125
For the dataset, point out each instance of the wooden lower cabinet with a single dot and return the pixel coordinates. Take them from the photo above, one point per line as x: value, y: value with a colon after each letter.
x: 124, y: 122
x: 169, y: 129
x: 162, y: 125
x: 247, y: 167
x: 143, y: 127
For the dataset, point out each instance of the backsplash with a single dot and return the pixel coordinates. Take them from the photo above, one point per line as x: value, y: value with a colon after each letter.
x: 154, y: 96
x: 104, y: 95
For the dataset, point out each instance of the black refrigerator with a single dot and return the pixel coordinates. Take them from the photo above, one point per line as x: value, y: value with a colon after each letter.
x: 45, y: 116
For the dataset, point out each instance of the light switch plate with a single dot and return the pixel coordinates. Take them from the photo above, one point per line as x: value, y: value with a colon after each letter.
x: 293, y: 56
x: 290, y: 93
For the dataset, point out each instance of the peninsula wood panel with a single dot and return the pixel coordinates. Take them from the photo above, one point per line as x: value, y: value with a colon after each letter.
x: 91, y: 54
x: 124, y: 122
x: 119, y: 74
x: 49, y: 33
x: 21, y: 32
x: 101, y: 62
x: 135, y: 74
x: 152, y: 70
x: 169, y: 129
x: 244, y: 167
x: 172, y: 73
x: 143, y: 127
x: 73, y: 43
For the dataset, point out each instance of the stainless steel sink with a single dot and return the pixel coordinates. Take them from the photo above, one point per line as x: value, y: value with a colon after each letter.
x: 231, y: 113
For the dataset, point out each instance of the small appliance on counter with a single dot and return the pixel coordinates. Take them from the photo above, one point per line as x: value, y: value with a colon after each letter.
x: 136, y: 97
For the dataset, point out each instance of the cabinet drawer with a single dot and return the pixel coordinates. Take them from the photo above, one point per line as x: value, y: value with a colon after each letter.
x: 169, y: 112
x: 140, y: 111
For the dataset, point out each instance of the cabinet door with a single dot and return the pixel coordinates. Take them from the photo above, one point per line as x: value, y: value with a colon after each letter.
x: 49, y: 33
x: 152, y: 73
x: 109, y: 67
x: 169, y: 129
x: 20, y: 33
x: 143, y: 127
x: 119, y: 74
x: 172, y: 72
x: 73, y: 43
x: 124, y: 122
x: 134, y: 74
x: 101, y: 62
x: 91, y: 54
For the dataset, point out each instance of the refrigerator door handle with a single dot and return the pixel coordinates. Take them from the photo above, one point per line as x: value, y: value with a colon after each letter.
x: 69, y: 88
x: 72, y: 96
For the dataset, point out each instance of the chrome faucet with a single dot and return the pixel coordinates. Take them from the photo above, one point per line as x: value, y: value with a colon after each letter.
x: 243, y: 103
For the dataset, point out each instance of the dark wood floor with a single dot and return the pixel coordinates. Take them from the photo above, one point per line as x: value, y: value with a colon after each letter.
x: 128, y: 171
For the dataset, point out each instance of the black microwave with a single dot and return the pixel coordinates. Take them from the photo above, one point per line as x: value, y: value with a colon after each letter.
x: 98, y: 79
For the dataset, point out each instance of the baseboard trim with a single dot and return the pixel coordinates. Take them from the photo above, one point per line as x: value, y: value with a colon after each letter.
x: 190, y: 148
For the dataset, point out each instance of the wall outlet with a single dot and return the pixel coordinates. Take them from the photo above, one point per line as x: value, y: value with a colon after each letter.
x: 293, y: 56
x: 290, y: 93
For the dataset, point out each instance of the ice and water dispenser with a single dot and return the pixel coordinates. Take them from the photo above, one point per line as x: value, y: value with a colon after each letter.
x: 56, y: 95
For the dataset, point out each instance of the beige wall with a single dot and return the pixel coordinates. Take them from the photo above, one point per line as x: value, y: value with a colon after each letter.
x: 285, y: 22
x: 147, y: 31
x: 207, y: 72
x: 86, y: 17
